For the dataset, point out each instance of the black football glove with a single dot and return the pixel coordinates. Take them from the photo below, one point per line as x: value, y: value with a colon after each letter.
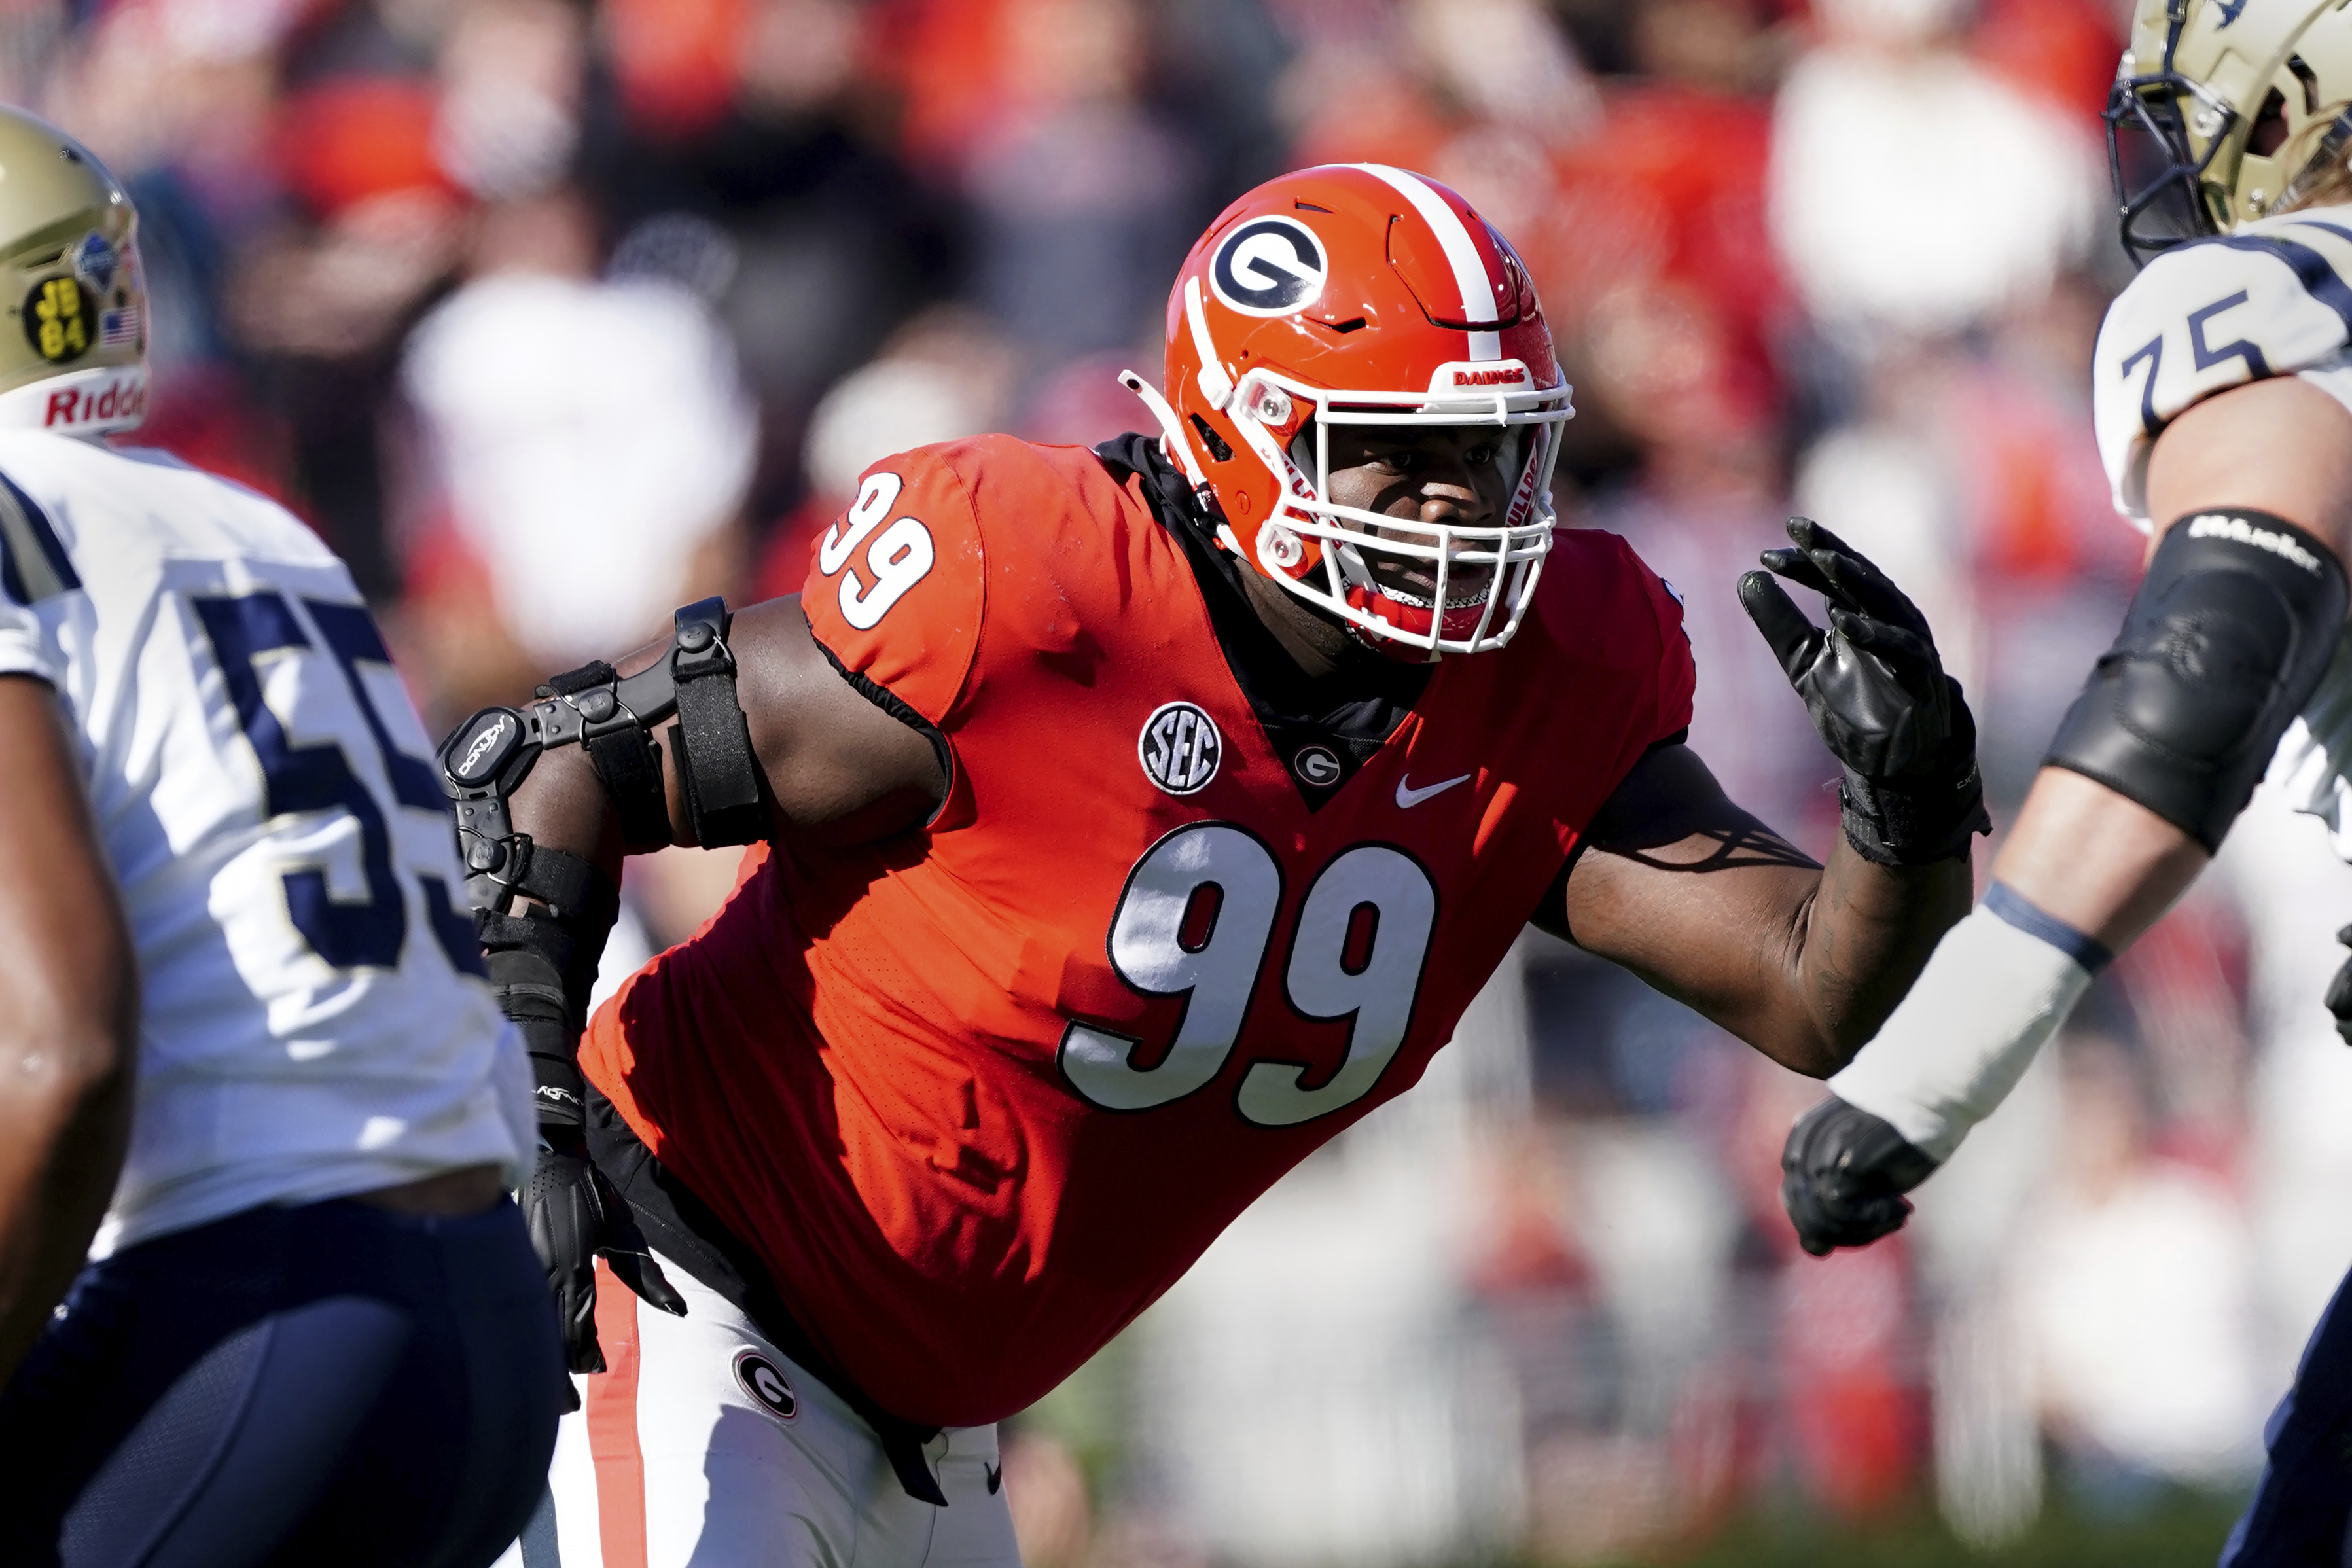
x: 576, y: 1217
x: 1877, y: 691
x: 2339, y: 991
x: 1844, y: 1173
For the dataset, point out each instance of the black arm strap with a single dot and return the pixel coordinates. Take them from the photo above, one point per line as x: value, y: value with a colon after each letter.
x: 488, y: 757
x: 542, y: 964
x: 543, y: 960
x: 717, y: 768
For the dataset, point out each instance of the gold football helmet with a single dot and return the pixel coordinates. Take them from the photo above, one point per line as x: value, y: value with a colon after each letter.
x: 77, y: 360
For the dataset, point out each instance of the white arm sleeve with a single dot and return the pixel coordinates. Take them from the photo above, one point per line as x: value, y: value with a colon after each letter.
x: 1958, y: 1044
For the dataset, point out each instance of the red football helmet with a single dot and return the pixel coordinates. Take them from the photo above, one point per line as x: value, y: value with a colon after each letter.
x: 1360, y: 294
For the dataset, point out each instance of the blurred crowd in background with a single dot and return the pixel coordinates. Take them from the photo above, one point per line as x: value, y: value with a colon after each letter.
x: 551, y: 315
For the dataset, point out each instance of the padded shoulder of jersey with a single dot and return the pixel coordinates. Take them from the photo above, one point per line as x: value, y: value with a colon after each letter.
x: 113, y: 505
x: 1038, y: 546
x: 1599, y: 604
x: 2271, y: 299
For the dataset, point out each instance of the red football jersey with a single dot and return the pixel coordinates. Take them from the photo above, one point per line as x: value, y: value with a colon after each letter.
x: 978, y: 1093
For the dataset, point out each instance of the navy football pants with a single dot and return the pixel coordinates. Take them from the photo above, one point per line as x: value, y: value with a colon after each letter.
x: 332, y: 1384
x: 2303, y: 1504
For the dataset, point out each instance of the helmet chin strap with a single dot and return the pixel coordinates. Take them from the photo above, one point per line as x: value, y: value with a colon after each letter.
x: 2330, y: 152
x: 1171, y: 429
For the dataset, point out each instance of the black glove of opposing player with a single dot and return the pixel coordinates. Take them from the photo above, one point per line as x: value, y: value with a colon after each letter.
x: 1877, y: 691
x: 1844, y: 1173
x: 576, y: 1217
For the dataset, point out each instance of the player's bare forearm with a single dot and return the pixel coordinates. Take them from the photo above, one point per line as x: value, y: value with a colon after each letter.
x: 837, y: 767
x: 2097, y: 861
x: 1705, y: 903
x: 1861, y: 941
x: 69, y: 1020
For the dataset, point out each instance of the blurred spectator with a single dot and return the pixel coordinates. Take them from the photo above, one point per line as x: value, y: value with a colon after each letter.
x: 591, y: 442
x: 1083, y: 198
x: 1911, y: 189
x: 1703, y: 498
x: 2133, y: 1283
x: 1052, y: 1518
x: 946, y: 375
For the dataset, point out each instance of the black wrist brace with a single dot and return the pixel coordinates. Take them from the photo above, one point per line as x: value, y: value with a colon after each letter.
x: 542, y: 964
x: 1926, y: 816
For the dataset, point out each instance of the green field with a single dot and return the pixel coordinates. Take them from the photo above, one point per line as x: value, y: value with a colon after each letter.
x: 2182, y: 1530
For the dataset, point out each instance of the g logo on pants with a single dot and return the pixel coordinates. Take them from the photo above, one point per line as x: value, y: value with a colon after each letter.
x: 765, y: 1384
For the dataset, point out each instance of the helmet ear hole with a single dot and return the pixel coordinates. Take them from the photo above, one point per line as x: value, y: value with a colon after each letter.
x: 1217, y: 446
x: 2269, y: 131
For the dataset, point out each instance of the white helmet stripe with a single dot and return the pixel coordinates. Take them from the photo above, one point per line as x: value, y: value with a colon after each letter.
x: 1454, y: 236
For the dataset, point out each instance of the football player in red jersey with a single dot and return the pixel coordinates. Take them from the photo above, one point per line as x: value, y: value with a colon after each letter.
x: 1132, y: 821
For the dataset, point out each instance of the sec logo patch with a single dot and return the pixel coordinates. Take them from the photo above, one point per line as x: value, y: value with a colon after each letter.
x: 766, y: 1384
x: 1180, y: 748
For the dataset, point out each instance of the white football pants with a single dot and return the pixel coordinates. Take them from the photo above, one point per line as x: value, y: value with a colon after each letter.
x: 701, y: 1446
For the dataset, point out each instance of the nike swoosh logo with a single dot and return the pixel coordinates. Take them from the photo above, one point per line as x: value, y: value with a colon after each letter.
x: 995, y: 1476
x: 1408, y: 797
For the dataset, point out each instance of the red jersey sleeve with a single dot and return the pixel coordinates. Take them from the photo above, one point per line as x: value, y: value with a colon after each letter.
x: 900, y: 581
x: 1677, y: 670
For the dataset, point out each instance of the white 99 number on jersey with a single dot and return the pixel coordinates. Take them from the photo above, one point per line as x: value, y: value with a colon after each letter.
x: 1372, y: 890
x: 896, y: 561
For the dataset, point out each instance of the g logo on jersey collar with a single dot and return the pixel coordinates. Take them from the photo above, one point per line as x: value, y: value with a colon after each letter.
x: 1269, y: 267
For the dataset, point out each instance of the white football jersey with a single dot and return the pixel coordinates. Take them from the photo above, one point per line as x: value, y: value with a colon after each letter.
x: 2272, y: 297
x: 314, y: 1022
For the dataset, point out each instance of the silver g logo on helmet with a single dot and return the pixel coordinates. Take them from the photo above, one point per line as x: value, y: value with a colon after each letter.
x: 77, y: 363
x: 1269, y: 267
x: 2224, y: 111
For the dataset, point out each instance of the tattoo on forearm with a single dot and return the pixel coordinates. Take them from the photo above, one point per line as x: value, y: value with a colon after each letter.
x: 1747, y: 844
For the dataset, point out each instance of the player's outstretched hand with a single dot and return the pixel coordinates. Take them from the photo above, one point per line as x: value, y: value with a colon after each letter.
x: 1844, y: 1173
x: 576, y: 1217
x: 1875, y: 689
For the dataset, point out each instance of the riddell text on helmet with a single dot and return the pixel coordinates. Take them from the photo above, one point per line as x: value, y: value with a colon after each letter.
x: 120, y: 399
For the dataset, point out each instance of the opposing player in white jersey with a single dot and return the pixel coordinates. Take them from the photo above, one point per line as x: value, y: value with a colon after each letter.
x: 240, y: 1017
x: 2223, y: 393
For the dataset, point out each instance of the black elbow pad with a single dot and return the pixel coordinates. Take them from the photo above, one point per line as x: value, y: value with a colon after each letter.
x: 2225, y: 644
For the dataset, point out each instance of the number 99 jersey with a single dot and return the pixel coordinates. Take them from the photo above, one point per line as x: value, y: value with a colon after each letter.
x: 977, y: 1093
x: 2272, y: 297
x: 314, y: 1021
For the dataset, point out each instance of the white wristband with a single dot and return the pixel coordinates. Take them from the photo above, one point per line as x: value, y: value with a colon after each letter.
x: 1999, y: 984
